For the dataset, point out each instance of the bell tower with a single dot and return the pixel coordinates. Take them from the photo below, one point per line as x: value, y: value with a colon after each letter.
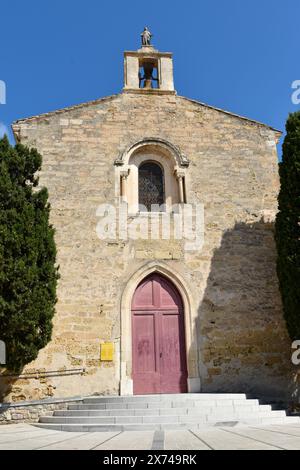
x: 147, y: 70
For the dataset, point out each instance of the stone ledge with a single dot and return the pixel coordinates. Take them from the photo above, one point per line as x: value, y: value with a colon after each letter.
x: 46, y: 401
x: 149, y: 91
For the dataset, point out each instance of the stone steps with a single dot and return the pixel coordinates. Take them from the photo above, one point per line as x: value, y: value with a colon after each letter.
x: 166, y: 398
x: 153, y: 426
x: 192, y: 403
x: 188, y: 418
x: 157, y: 412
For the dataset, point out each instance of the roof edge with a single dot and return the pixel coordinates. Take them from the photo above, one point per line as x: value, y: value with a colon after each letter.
x: 67, y: 108
x: 253, y: 121
x: 111, y: 97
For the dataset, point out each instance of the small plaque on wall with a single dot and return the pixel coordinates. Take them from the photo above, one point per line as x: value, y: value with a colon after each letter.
x: 107, y: 352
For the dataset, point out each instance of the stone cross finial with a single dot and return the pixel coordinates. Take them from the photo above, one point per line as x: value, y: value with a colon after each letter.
x: 146, y: 37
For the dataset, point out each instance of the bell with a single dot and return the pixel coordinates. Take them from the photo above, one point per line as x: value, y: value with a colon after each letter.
x: 148, y: 70
x: 148, y: 83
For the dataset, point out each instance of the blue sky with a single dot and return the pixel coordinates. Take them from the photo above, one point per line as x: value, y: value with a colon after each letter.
x: 241, y: 56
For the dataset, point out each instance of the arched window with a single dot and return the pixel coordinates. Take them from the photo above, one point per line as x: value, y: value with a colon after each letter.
x: 151, y: 184
x: 151, y: 172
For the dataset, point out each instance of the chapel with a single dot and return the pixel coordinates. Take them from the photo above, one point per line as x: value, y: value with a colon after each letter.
x: 164, y: 210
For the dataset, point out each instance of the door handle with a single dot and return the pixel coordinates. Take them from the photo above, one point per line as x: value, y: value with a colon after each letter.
x: 160, y: 354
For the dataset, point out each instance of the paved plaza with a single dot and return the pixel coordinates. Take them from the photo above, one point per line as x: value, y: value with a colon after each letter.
x: 272, y: 437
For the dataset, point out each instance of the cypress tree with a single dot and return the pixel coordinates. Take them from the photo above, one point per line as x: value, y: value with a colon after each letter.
x: 28, y: 274
x: 287, y: 227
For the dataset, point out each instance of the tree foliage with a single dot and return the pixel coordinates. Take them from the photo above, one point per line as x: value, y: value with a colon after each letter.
x: 28, y: 274
x: 288, y: 226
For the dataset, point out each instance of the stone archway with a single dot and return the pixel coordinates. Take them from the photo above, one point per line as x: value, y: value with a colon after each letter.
x: 193, y: 379
x: 164, y: 153
x: 179, y: 158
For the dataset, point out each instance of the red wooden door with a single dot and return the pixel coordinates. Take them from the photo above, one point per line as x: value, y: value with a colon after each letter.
x: 158, y: 340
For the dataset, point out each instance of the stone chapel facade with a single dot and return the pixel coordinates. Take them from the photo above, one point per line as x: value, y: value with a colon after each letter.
x: 171, y: 319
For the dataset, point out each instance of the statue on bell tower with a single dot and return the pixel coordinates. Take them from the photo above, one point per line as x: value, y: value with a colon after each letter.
x: 146, y: 37
x: 147, y: 68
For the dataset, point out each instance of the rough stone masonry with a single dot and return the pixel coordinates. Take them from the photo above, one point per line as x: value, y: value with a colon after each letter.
x: 241, y: 341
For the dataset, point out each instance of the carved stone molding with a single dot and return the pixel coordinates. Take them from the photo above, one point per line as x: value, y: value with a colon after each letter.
x: 180, y: 158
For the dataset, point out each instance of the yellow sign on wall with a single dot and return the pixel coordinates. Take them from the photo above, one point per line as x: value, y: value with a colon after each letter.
x: 107, y: 352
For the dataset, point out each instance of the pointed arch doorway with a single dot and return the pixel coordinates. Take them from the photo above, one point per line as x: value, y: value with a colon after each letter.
x: 158, y: 337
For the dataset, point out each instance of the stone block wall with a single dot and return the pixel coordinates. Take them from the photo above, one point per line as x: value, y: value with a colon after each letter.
x: 242, y: 344
x: 31, y: 412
